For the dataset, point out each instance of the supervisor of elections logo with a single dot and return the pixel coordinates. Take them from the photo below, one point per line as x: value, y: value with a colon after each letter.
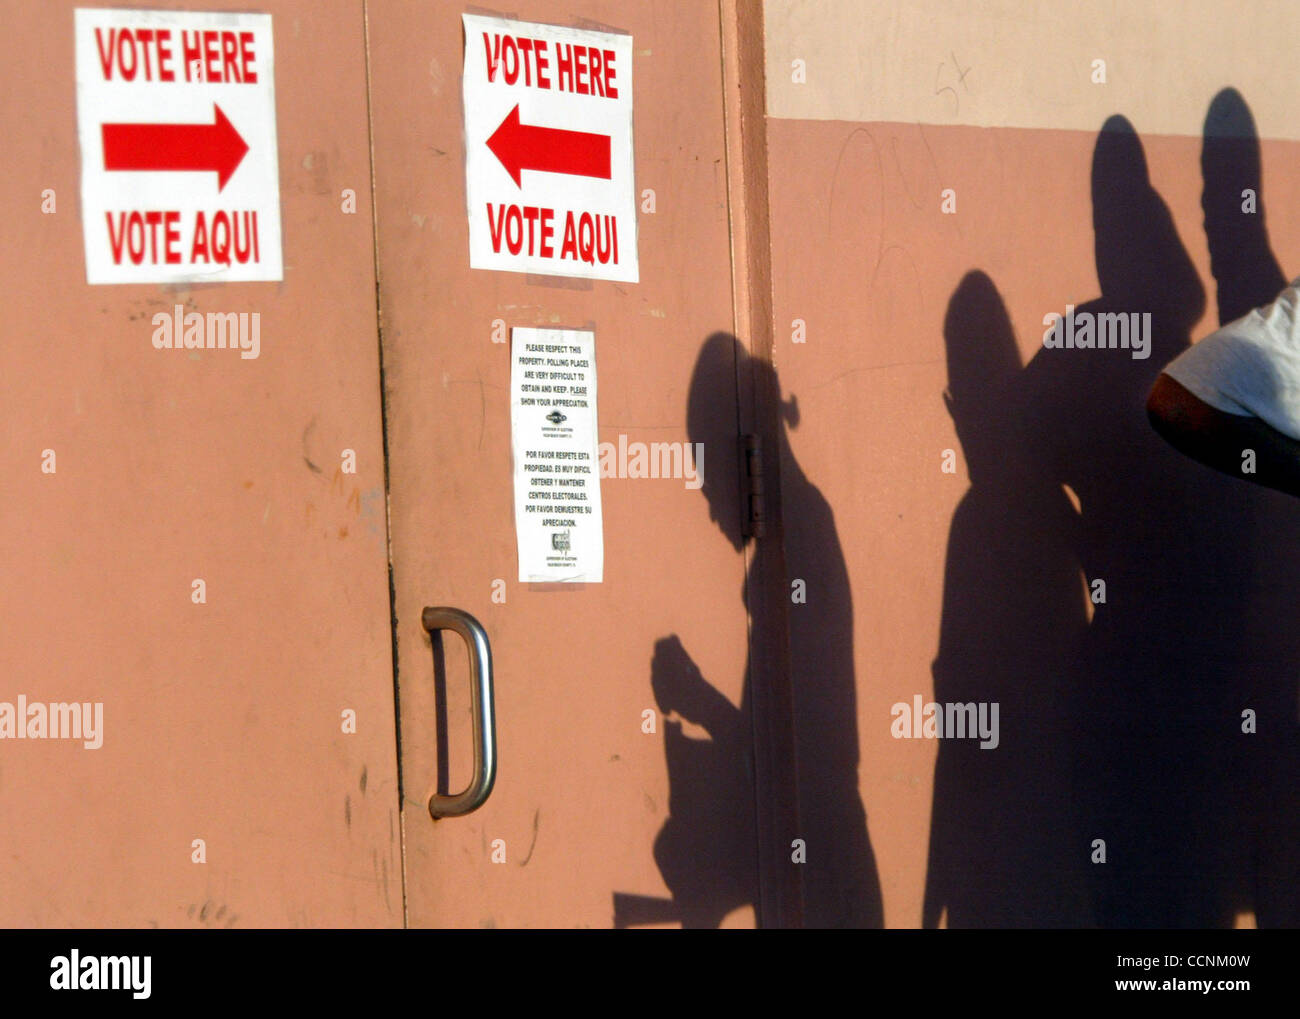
x: 555, y: 417
x: 560, y: 541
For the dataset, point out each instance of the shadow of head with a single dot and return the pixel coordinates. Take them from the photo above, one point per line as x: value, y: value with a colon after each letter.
x: 1231, y: 168
x: 711, y: 421
x: 1141, y: 262
x: 983, y: 362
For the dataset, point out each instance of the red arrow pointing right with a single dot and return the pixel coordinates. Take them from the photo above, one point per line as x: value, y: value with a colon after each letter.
x: 216, y: 147
x: 548, y: 149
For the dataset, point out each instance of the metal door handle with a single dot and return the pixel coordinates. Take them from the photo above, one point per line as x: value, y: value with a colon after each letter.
x: 485, y: 736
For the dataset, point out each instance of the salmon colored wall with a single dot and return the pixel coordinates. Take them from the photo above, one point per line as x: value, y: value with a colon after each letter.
x: 1145, y: 709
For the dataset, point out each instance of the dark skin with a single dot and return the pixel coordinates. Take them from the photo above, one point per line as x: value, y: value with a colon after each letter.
x: 1219, y: 440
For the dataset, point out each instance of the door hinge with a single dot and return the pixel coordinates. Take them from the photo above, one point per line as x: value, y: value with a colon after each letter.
x: 753, y: 513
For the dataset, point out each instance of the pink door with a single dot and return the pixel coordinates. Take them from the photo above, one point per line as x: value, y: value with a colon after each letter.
x: 624, y: 726
x: 194, y: 540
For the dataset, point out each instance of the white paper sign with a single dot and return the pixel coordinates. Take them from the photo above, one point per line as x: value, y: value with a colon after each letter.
x: 180, y: 181
x: 557, y: 473
x: 548, y: 150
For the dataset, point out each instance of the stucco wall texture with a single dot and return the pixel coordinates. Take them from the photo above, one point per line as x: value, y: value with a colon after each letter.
x: 943, y: 176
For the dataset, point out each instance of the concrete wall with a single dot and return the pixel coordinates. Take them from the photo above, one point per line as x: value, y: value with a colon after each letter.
x: 1119, y: 720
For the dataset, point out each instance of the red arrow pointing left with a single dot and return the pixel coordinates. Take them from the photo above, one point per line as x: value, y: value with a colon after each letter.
x: 522, y: 147
x: 215, y: 147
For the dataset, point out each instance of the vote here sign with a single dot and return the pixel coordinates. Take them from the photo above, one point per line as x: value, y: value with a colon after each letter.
x: 548, y: 159
x: 180, y: 180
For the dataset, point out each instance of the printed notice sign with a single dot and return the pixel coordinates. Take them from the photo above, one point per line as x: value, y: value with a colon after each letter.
x: 557, y: 474
x: 180, y: 181
x: 548, y: 150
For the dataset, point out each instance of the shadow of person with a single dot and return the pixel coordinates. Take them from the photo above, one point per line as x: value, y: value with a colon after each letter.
x: 1160, y: 543
x: 1266, y: 765
x: 705, y: 850
x: 1003, y: 841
